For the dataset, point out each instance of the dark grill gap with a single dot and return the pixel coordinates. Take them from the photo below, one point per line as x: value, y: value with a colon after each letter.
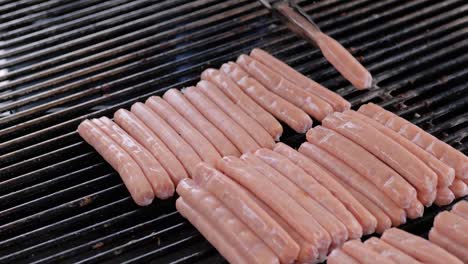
x: 70, y: 60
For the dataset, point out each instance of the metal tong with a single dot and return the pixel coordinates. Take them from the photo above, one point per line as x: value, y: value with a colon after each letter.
x: 297, y: 20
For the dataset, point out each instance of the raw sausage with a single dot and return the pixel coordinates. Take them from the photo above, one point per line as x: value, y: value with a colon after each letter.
x: 461, y: 209
x: 131, y: 174
x: 233, y: 196
x: 293, y: 116
x: 183, y: 151
x: 254, y: 129
x: 336, y: 101
x: 453, y: 226
x: 279, y: 200
x: 346, y: 174
x: 163, y: 187
x: 363, y: 254
x: 418, y: 247
x: 310, y: 103
x: 387, y: 150
x: 459, y: 188
x: 241, y: 139
x: 199, y: 143
x: 209, y: 231
x: 139, y: 131
x: 365, y: 218
x: 444, y: 196
x: 385, y: 178
x: 235, y: 231
x: 441, y: 150
x: 243, y: 101
x: 330, y: 223
x: 386, y: 250
x: 445, y: 174
x: 337, y: 256
x: 448, y: 244
x: 175, y: 98
x: 315, y: 190
x: 415, y: 210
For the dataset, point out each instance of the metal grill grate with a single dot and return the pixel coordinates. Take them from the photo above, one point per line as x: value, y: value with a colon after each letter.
x: 62, y: 61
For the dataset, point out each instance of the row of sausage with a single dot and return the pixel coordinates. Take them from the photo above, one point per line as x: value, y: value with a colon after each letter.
x: 231, y: 111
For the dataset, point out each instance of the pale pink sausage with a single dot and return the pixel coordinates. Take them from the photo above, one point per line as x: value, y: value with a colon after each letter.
x: 388, y: 251
x: 418, y: 247
x: 233, y: 196
x: 394, y: 155
x: 199, y: 143
x: 344, y: 62
x: 385, y: 178
x: 183, y: 151
x: 315, y: 190
x: 336, y: 230
x: 459, y: 188
x: 445, y: 174
x: 341, y: 170
x: 290, y: 114
x: 338, y: 256
x: 139, y: 131
x: 415, y: 210
x: 453, y: 226
x: 457, y: 250
x: 336, y: 101
x: 131, y: 174
x: 461, y: 209
x: 254, y: 129
x: 365, y: 218
x: 441, y: 150
x: 310, y: 103
x: 157, y: 176
x: 363, y: 254
x: 235, y: 231
x: 243, y: 101
x: 209, y: 231
x: 444, y: 196
x: 279, y: 200
x: 236, y: 134
x: 225, y: 147
x: 308, y: 252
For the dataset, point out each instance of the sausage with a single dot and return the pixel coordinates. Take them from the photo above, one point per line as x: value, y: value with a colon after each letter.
x: 415, y: 210
x: 361, y: 214
x: 338, y: 256
x: 385, y: 178
x: 131, y: 174
x: 139, y: 131
x: 315, y: 190
x: 336, y: 230
x: 234, y: 197
x: 418, y: 247
x: 209, y: 231
x: 448, y: 244
x: 290, y: 114
x: 445, y: 174
x: 255, y: 111
x: 310, y: 103
x: 236, y: 134
x: 197, y: 141
x: 441, y: 150
x: 461, y: 209
x: 453, y: 226
x: 225, y: 147
x: 363, y: 254
x: 157, y: 176
x: 386, y: 250
x: 444, y: 196
x: 346, y: 174
x: 254, y: 129
x: 279, y: 200
x: 308, y: 252
x: 336, y: 101
x: 183, y: 151
x: 459, y: 188
x: 235, y: 231
x: 394, y: 155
